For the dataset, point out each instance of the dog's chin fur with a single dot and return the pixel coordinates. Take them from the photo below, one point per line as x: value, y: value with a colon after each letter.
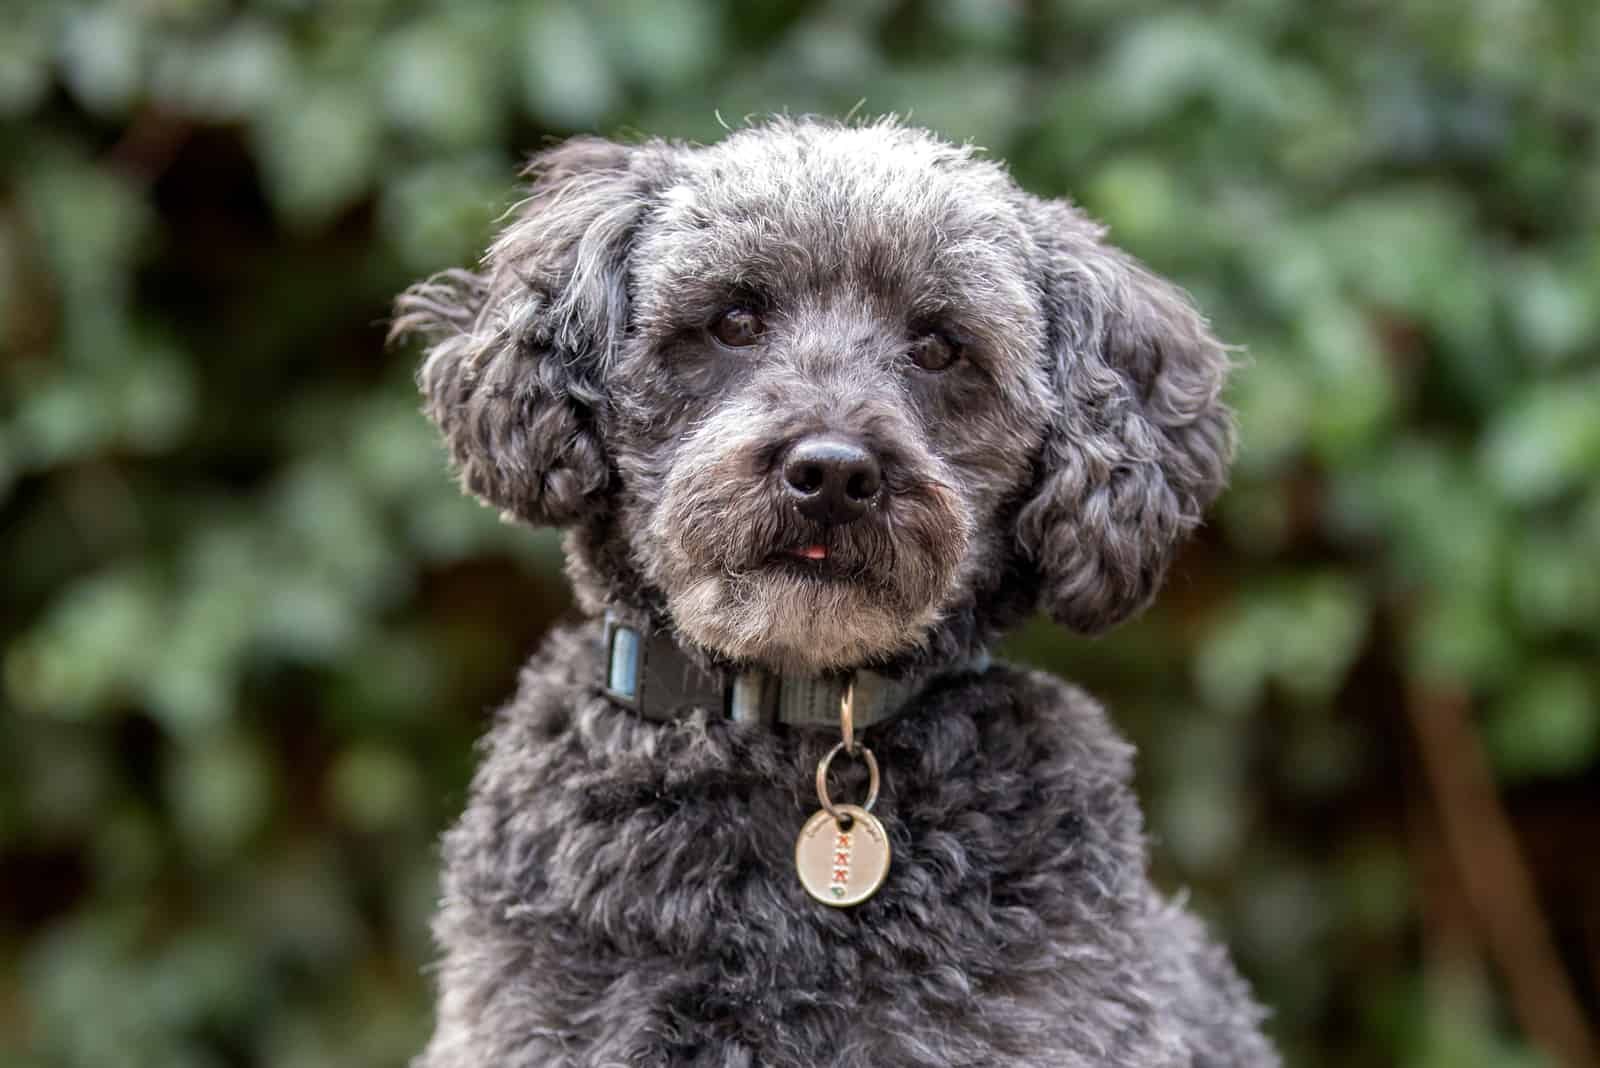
x: 795, y: 624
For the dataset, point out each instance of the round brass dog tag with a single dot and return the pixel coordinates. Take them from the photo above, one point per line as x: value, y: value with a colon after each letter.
x: 842, y: 867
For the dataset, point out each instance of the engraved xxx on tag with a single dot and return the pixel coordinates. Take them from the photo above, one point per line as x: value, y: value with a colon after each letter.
x: 840, y: 866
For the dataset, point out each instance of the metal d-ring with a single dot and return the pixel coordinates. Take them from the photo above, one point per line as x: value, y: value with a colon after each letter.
x: 872, y: 780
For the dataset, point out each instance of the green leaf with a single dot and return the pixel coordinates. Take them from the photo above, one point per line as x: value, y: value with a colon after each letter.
x: 567, y: 76
x: 1553, y: 310
x: 1457, y: 639
x: 92, y: 647
x: 1555, y: 586
x: 438, y: 84
x: 1275, y: 401
x: 1546, y: 442
x: 1302, y: 634
x: 221, y: 790
x: 234, y: 74
x: 24, y: 62
x: 103, y: 52
x: 662, y: 43
x: 440, y: 214
x: 93, y: 224
x: 319, y: 146
x: 1549, y: 725
x: 374, y: 788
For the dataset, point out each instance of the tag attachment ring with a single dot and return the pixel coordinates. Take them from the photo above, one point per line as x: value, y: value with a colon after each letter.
x: 822, y: 780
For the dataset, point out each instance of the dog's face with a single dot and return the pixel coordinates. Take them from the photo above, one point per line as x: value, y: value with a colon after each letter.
x: 817, y: 385
x: 830, y: 385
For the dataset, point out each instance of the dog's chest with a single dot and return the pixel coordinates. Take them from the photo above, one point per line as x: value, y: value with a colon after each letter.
x: 656, y: 916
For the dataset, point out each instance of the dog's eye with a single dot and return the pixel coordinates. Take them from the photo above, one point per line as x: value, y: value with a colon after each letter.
x: 738, y: 328
x: 934, y: 352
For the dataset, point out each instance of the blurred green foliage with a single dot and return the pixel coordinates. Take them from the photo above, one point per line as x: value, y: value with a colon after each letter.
x: 250, y: 628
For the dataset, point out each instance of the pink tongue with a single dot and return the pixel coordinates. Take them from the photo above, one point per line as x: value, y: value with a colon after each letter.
x: 814, y: 552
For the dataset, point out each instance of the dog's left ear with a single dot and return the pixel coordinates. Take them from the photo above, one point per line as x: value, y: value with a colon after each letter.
x: 518, y: 349
x: 1140, y: 441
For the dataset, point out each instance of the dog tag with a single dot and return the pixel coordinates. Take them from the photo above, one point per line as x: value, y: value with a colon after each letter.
x: 840, y: 866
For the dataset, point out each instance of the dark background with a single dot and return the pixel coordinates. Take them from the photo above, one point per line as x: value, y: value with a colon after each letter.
x: 249, y: 629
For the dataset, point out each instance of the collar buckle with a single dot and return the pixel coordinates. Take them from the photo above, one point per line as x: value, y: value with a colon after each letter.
x: 624, y: 663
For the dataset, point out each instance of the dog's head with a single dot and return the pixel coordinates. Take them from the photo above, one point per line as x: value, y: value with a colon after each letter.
x: 819, y: 393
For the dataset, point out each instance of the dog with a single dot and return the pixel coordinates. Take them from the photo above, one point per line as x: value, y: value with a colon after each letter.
x: 823, y: 408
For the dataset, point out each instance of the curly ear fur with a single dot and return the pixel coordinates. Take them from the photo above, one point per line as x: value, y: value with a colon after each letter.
x: 1141, y: 441
x: 517, y: 349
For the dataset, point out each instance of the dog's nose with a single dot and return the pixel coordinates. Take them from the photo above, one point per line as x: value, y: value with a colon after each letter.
x: 832, y: 479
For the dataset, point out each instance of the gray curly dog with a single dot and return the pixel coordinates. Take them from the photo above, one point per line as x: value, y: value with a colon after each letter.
x: 819, y: 405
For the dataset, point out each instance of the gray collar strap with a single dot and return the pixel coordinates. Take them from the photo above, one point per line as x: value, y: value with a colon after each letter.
x: 647, y: 673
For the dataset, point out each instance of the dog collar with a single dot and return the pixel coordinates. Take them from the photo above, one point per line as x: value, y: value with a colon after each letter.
x: 647, y: 673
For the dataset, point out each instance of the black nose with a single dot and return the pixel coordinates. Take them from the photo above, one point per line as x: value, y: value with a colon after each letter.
x: 832, y: 479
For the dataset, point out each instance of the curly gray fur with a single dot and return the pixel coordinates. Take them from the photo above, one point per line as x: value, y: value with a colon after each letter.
x: 620, y: 892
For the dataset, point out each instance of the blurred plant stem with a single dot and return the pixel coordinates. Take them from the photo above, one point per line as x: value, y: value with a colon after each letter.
x: 148, y: 146
x: 1494, y: 874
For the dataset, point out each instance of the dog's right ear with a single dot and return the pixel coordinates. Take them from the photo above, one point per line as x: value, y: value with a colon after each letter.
x: 517, y: 350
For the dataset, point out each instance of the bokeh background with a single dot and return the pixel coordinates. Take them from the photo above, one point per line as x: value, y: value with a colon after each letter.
x: 249, y: 629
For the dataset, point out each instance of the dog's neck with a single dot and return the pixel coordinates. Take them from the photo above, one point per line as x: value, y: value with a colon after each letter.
x: 604, y: 579
x: 648, y: 673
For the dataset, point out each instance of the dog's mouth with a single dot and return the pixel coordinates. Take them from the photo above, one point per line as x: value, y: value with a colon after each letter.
x: 813, y: 560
